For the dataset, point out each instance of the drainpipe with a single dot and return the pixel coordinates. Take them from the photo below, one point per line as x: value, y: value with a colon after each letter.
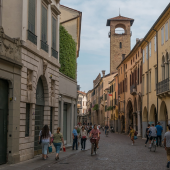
x: 0, y: 13
x: 157, y: 66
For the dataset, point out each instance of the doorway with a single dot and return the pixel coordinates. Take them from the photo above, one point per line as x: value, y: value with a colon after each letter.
x: 65, y: 123
x: 3, y: 120
x: 39, y: 116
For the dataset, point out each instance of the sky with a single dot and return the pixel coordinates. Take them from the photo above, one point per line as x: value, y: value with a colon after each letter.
x: 95, y: 45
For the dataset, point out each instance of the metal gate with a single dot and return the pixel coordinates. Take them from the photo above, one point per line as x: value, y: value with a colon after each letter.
x: 39, y: 116
x: 3, y: 120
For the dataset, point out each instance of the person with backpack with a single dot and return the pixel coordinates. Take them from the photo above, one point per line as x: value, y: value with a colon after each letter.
x: 147, y: 134
x: 159, y: 134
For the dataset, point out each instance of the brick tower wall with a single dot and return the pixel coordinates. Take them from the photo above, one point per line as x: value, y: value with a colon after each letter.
x: 115, y: 39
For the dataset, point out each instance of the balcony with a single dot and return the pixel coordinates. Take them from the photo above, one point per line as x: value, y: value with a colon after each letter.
x: 44, y: 46
x: 133, y: 90
x: 54, y: 53
x: 79, y: 105
x: 32, y: 37
x: 163, y: 89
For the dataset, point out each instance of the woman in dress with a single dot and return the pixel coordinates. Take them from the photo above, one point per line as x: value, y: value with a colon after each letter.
x: 44, y: 137
x: 57, y: 141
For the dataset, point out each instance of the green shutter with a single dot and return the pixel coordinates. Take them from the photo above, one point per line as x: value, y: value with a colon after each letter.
x: 54, y: 27
x: 31, y: 16
x: 44, y: 24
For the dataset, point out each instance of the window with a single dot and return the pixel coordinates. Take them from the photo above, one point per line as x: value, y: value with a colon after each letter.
x: 51, y: 119
x: 105, y: 108
x: 162, y: 35
x: 143, y: 82
x: 166, y: 31
x: 150, y: 49
x: 31, y: 16
x: 146, y: 83
x: 146, y: 52
x: 83, y: 103
x: 133, y: 59
x: 126, y: 66
x: 138, y: 53
x: 156, y: 77
x: 131, y: 62
x: 44, y: 45
x: 27, y: 124
x: 136, y: 56
x: 120, y: 45
x: 121, y: 70
x: 143, y: 55
x: 155, y: 42
x: 54, y: 37
x: 149, y: 81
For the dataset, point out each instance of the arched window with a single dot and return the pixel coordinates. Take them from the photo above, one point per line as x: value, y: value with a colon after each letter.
x: 163, y: 68
x: 120, y: 45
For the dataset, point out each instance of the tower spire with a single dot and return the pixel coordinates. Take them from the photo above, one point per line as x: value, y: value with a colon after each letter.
x: 119, y: 11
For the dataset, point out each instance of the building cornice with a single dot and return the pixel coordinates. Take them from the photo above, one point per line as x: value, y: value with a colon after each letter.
x: 55, y: 10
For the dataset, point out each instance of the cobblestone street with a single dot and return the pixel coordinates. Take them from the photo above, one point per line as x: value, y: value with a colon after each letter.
x: 116, y: 152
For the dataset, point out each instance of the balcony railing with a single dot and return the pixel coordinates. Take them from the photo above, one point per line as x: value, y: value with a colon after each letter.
x: 162, y: 86
x: 44, y: 46
x: 133, y: 90
x: 32, y: 37
x: 54, y: 53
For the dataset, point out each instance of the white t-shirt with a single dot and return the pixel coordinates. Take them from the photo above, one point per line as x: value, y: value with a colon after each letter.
x: 167, y: 136
x: 45, y: 140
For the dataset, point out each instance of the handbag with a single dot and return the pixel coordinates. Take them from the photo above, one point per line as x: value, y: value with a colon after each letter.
x: 40, y: 139
x: 84, y: 137
x: 50, y: 149
x: 135, y: 137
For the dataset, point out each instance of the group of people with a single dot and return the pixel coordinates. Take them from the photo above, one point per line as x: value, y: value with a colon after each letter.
x: 80, y: 135
x: 46, y: 138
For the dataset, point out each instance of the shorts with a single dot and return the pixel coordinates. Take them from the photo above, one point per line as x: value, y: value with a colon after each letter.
x: 152, y: 137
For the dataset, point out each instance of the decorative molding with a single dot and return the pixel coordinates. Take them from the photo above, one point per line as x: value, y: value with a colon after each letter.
x: 45, y: 63
x: 55, y: 10
x: 29, y: 79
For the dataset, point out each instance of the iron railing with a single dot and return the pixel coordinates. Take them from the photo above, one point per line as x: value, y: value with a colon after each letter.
x: 54, y: 53
x: 133, y: 89
x: 162, y: 86
x: 32, y: 37
x: 44, y: 46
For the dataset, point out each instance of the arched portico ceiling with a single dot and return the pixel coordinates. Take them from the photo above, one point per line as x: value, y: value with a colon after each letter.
x: 163, y: 112
x: 152, y: 113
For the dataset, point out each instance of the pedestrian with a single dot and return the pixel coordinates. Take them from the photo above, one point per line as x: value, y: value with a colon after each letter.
x: 159, y: 134
x: 167, y: 145
x: 132, y: 134
x: 95, y: 134
x: 83, y: 134
x: 44, y: 137
x: 58, y: 140
x: 78, y: 135
x: 106, y: 128
x: 152, y: 134
x: 75, y: 137
x: 147, y: 134
x: 90, y: 128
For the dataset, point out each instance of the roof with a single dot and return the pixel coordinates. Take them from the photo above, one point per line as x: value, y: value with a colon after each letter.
x: 83, y: 93
x: 120, y: 18
x: 69, y: 8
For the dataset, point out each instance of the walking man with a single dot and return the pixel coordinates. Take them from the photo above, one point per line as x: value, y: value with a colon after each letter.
x: 159, y: 134
x: 75, y: 137
x: 167, y: 145
x: 152, y: 134
x: 106, y: 128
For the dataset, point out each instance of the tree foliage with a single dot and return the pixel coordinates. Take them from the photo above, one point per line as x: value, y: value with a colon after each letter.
x: 67, y: 53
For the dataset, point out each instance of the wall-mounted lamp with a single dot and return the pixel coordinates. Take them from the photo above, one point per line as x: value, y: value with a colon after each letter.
x: 51, y: 77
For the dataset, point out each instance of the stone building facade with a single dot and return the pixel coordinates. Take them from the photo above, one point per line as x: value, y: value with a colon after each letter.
x: 36, y: 24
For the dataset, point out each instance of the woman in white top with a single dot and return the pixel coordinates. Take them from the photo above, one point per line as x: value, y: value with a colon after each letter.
x: 83, y: 134
x: 44, y: 138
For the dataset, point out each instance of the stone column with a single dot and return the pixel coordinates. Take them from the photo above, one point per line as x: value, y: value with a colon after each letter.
x: 139, y: 124
x: 134, y: 122
x: 61, y: 115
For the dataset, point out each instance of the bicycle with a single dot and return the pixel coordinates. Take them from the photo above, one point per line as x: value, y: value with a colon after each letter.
x: 153, y: 144
x: 93, y: 146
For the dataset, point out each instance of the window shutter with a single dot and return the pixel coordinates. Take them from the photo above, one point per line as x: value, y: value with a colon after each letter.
x: 54, y: 28
x: 141, y: 74
x: 44, y: 24
x: 31, y: 16
x: 136, y: 77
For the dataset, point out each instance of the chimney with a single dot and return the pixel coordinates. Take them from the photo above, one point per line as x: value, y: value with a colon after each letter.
x: 103, y: 72
x: 137, y: 39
